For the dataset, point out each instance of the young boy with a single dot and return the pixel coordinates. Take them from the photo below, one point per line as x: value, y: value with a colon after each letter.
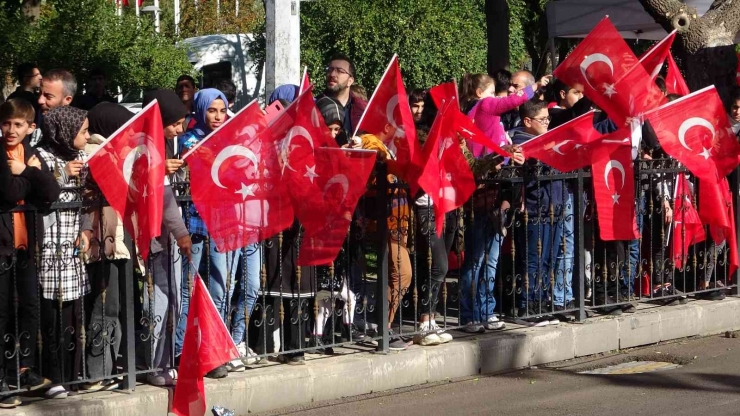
x: 25, y: 179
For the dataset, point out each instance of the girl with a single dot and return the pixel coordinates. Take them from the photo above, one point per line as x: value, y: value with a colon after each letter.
x: 61, y: 275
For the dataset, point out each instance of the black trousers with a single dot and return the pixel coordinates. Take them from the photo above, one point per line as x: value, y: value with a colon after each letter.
x: 267, y: 330
x: 102, y: 312
x: 431, y: 279
x: 62, y: 355
x: 19, y: 320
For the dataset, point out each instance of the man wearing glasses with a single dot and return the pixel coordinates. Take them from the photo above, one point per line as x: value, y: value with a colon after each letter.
x: 340, y: 76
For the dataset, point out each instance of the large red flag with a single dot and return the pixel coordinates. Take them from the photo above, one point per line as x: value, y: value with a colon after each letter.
x: 653, y: 59
x: 388, y: 116
x: 466, y: 128
x: 129, y: 169
x: 327, y: 209
x: 634, y: 94
x: 446, y: 176
x: 695, y: 130
x: 235, y: 182
x: 674, y: 82
x: 565, y: 147
x: 446, y: 92
x: 207, y: 345
x: 716, y: 210
x: 614, y: 191
x: 687, y: 228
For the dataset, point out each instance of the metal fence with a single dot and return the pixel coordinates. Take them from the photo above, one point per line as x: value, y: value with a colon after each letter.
x: 524, y: 250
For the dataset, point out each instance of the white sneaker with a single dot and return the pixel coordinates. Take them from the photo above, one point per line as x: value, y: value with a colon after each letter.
x: 427, y: 337
x: 56, y: 392
x: 242, y: 349
x: 235, y: 366
x: 443, y: 336
x: 553, y: 320
x: 474, y: 328
x: 250, y: 357
x: 493, y: 324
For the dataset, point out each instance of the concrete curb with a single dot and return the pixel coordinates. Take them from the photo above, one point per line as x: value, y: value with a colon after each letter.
x: 269, y: 388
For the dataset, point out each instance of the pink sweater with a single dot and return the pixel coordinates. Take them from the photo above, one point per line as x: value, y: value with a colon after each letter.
x: 487, y: 116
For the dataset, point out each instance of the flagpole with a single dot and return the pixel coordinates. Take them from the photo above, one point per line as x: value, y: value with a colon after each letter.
x: 120, y: 129
x: 387, y: 69
x: 197, y: 145
x: 303, y: 78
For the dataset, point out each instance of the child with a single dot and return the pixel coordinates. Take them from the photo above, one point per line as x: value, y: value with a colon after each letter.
x: 25, y: 180
x: 61, y: 275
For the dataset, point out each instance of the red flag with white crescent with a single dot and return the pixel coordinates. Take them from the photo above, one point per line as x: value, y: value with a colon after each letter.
x: 614, y: 191
x: 207, y: 344
x: 129, y: 169
x: 235, y: 182
x: 674, y: 82
x: 687, y: 227
x: 695, y: 130
x: 652, y: 60
x: 326, y: 211
x: 716, y: 210
x: 446, y: 176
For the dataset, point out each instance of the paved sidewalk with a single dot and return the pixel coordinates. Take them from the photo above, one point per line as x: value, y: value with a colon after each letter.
x: 357, y: 371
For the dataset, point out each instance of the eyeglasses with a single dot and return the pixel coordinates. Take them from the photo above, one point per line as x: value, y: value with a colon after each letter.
x: 330, y: 69
x: 544, y: 120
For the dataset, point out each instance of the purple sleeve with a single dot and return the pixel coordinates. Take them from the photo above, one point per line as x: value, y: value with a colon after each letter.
x: 499, y: 105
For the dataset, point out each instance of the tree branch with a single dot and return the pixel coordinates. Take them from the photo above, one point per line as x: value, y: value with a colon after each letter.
x: 724, y: 14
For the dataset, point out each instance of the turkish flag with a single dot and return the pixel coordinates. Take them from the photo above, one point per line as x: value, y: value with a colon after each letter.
x: 235, y: 182
x: 446, y: 176
x: 207, y: 344
x: 674, y: 82
x: 565, y: 147
x: 634, y: 94
x: 695, y: 130
x: 466, y: 128
x: 614, y: 190
x: 446, y: 92
x: 388, y: 116
x: 326, y: 211
x: 305, y: 81
x: 687, y: 227
x: 652, y: 60
x: 716, y: 210
x: 129, y: 169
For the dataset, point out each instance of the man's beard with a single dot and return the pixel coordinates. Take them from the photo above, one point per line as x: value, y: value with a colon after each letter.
x: 337, y: 88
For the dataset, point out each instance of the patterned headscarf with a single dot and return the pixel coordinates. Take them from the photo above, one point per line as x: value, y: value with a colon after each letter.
x: 59, y: 130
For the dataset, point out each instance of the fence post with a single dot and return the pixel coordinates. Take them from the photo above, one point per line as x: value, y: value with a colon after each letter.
x: 381, y: 294
x: 579, y: 264
x: 127, y: 320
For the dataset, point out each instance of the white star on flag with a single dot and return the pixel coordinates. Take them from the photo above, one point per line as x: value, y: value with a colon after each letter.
x: 311, y: 173
x: 706, y: 153
x: 609, y: 90
x: 615, y: 198
x: 246, y: 191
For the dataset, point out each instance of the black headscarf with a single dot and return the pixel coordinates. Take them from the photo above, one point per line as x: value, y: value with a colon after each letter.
x: 170, y: 105
x: 59, y: 130
x: 106, y: 118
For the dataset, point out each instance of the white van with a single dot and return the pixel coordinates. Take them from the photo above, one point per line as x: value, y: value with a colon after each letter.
x: 216, y: 57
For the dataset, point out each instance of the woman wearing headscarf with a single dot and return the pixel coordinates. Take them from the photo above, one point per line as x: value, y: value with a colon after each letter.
x: 106, y: 258
x: 61, y: 274
x: 210, y: 110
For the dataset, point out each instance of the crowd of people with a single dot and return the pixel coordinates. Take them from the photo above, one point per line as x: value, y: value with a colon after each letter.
x: 66, y: 265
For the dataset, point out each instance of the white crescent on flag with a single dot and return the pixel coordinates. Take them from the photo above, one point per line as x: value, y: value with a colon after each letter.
x: 390, y: 108
x: 128, y: 163
x: 227, y: 152
x: 614, y: 164
x: 294, y: 131
x: 693, y: 122
x: 591, y: 59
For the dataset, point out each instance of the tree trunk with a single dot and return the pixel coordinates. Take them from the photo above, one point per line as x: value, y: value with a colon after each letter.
x: 497, y: 24
x: 704, y: 46
x: 31, y: 9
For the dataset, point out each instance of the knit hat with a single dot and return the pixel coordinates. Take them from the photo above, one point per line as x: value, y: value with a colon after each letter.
x: 170, y: 105
x: 331, y: 109
x: 106, y: 118
x: 60, y: 129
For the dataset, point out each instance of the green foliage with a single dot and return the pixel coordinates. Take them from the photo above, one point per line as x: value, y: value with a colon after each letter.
x: 435, y: 40
x: 80, y: 35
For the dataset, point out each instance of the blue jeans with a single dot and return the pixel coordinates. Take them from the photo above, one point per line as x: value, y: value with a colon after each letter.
x: 628, y: 280
x: 563, y: 292
x: 481, y: 240
x: 251, y: 263
x: 222, y: 266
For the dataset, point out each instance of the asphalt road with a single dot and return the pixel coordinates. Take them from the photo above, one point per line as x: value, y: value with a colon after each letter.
x: 707, y: 384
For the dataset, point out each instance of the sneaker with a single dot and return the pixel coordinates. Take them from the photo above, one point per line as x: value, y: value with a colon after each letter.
x: 161, y: 378
x: 531, y: 316
x: 713, y: 295
x: 629, y: 308
x: 427, y: 337
x: 564, y: 313
x: 396, y: 343
x: 235, y: 366
x: 552, y: 320
x: 248, y: 357
x: 103, y: 385
x: 56, y: 392
x: 292, y: 359
x: 474, y: 328
x: 32, y: 381
x: 7, y: 401
x: 318, y: 343
x: 350, y: 333
x: 494, y: 323
x: 218, y: 372
x: 441, y: 333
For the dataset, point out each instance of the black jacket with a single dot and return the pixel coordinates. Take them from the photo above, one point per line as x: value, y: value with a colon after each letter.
x: 36, y: 187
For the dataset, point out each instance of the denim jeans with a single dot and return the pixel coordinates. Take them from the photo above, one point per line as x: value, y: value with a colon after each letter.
x: 563, y: 292
x: 481, y: 241
x: 628, y: 280
x: 221, y: 267
x: 251, y: 267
